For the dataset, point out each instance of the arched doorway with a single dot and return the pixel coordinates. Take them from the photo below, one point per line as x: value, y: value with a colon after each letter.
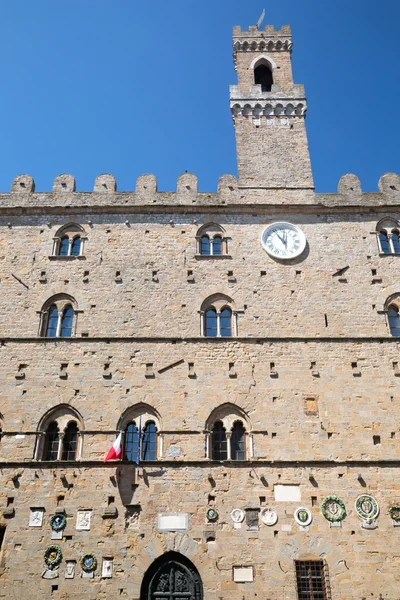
x: 171, y: 576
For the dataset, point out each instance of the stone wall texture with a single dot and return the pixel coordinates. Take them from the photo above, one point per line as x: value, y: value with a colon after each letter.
x: 312, y: 373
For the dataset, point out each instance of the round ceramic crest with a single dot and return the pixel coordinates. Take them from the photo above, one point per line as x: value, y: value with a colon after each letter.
x: 303, y: 516
x: 237, y: 515
x: 367, y: 507
x: 269, y: 517
x: 333, y: 509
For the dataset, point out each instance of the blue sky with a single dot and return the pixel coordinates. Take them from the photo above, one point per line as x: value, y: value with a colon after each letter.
x: 131, y: 87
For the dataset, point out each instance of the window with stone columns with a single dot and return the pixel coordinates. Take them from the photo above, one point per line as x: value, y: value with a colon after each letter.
x: 218, y: 317
x: 211, y: 241
x: 228, y: 434
x: 58, y: 317
x: 59, y: 435
x: 392, y: 310
x: 388, y: 236
x: 142, y: 440
x: 69, y: 242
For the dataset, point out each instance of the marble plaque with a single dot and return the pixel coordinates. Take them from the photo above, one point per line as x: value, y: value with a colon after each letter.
x: 87, y: 575
x: 57, y: 535
x: 287, y: 493
x: 243, y: 574
x: 173, y: 521
x: 36, y: 517
x: 107, y: 568
x: 70, y: 569
x: 50, y: 574
x: 83, y: 518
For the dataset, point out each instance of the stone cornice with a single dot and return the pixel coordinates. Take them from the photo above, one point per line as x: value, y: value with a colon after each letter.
x: 268, y: 107
x: 282, y: 43
x: 204, y: 340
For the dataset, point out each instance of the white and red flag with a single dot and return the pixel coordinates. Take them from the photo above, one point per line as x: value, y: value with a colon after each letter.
x: 115, y: 451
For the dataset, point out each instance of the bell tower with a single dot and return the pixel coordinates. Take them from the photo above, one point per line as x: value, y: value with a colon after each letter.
x: 268, y: 111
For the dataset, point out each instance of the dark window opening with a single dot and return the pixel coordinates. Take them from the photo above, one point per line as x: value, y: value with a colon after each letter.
x: 70, y: 442
x: 394, y: 321
x: 263, y: 77
x: 51, y: 442
x: 52, y: 322
x: 237, y: 442
x: 149, y: 442
x: 396, y: 242
x: 211, y: 323
x: 217, y: 246
x: 225, y: 322
x: 66, y: 322
x: 132, y: 443
x: 76, y: 246
x: 64, y: 246
x: 384, y: 241
x: 205, y: 249
x: 219, y: 442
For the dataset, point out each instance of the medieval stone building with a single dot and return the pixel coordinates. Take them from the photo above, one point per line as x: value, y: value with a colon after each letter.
x: 245, y: 342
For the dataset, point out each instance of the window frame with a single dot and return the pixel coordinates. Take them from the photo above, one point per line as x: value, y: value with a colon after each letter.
x: 323, y: 576
x: 61, y: 303
x: 72, y: 232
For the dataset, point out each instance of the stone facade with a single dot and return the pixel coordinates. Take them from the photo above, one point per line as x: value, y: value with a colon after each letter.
x: 311, y: 371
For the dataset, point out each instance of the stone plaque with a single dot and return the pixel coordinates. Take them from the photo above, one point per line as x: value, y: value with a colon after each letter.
x: 70, y: 569
x: 252, y: 518
x: 83, y: 518
x: 132, y: 516
x: 87, y: 575
x: 243, y: 574
x: 173, y: 521
x: 36, y: 517
x: 287, y: 493
x: 107, y: 568
x: 269, y: 517
x: 237, y: 515
x: 50, y: 574
x: 57, y: 535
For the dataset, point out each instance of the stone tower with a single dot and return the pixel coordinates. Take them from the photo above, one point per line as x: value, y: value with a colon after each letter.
x: 268, y: 110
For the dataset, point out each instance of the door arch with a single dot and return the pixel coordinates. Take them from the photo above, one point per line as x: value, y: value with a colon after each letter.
x: 171, y: 576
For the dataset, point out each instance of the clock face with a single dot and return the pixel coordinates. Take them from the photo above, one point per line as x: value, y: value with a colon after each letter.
x: 283, y: 240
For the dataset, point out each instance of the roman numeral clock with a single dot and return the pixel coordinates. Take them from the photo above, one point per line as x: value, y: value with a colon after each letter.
x: 283, y: 240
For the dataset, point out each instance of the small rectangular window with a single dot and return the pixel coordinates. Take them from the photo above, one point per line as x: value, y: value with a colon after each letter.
x: 311, y: 580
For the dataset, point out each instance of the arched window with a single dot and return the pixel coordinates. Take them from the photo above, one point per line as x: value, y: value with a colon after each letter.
x: 60, y: 426
x: 52, y: 442
x: 384, y: 242
x: 69, y: 241
x: 211, y: 322
x: 58, y: 317
x: 211, y: 240
x: 263, y: 77
x: 149, y: 442
x: 238, y: 442
x: 388, y: 236
x: 52, y: 322
x: 66, y: 321
x: 226, y: 322
x: 205, y: 249
x: 76, y: 246
x: 394, y: 320
x: 131, y: 443
x: 70, y: 442
x: 219, y: 442
x: 227, y: 436
x: 218, y: 319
